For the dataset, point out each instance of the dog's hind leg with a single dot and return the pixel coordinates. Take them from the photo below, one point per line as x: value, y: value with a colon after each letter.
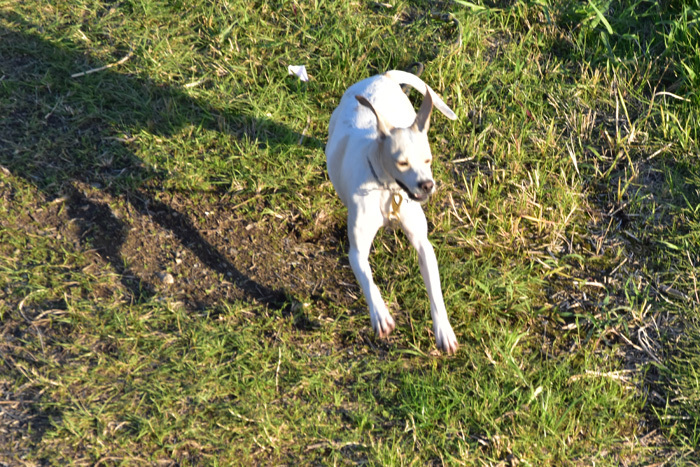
x: 415, y: 227
x: 361, y: 232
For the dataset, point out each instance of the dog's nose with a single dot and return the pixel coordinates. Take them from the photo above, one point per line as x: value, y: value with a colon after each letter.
x: 426, y: 186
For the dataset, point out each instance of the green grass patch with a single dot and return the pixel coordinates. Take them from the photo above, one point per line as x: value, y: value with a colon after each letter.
x: 174, y: 287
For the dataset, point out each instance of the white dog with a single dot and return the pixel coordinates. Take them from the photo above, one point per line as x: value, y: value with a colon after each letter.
x: 379, y: 159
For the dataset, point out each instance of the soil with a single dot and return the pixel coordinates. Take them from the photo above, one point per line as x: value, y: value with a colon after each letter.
x: 201, y: 252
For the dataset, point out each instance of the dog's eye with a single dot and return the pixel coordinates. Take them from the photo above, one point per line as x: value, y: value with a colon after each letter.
x: 403, y: 164
x: 428, y: 161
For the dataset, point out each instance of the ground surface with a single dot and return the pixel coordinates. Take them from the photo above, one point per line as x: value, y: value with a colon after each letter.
x: 174, y: 285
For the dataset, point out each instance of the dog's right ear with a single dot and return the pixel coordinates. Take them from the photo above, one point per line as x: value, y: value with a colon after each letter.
x: 422, y: 121
x: 383, y: 126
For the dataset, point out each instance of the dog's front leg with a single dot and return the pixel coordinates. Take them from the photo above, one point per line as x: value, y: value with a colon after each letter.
x: 362, y: 228
x: 415, y: 227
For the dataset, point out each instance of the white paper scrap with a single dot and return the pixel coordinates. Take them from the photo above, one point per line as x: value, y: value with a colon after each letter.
x: 299, y: 71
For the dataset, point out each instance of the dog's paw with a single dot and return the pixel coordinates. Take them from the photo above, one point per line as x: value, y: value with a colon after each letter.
x: 446, y: 340
x: 382, y: 322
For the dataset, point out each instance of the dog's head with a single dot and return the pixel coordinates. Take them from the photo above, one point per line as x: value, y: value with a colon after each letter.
x: 404, y: 153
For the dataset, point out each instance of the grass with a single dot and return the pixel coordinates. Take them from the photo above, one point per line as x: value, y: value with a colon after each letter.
x: 174, y: 287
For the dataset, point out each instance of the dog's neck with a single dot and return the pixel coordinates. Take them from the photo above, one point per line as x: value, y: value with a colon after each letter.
x: 374, y: 172
x: 396, y: 197
x: 385, y: 182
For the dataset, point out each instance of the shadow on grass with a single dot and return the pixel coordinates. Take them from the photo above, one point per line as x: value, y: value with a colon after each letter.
x: 60, y: 133
x: 63, y: 135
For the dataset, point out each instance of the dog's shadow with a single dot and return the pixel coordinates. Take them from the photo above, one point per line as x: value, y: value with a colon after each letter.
x: 61, y: 133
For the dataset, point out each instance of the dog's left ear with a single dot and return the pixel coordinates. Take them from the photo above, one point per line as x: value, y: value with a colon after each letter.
x: 422, y: 121
x: 383, y: 126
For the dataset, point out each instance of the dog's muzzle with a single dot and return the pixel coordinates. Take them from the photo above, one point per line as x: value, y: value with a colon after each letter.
x: 426, y: 189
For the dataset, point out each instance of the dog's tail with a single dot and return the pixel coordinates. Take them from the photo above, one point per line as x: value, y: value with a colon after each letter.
x: 402, y: 77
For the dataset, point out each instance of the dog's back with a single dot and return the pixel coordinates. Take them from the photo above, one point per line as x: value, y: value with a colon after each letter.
x: 385, y: 94
x: 387, y: 98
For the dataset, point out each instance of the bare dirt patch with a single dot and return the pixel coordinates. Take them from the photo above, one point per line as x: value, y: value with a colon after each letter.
x: 199, y: 252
